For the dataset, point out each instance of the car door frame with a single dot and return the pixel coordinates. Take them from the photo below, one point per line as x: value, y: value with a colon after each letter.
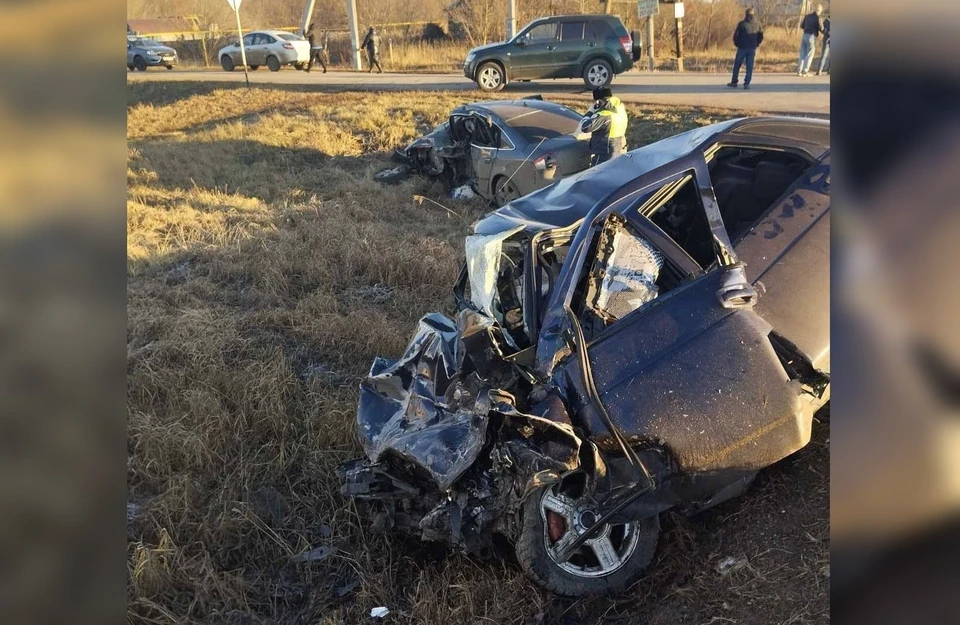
x: 714, y: 358
x: 570, y: 52
x: 533, y: 56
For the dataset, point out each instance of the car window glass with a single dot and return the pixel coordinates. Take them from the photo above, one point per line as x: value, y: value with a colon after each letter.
x: 267, y: 39
x: 542, y: 32
x: 597, y: 29
x: 677, y: 209
x: 248, y: 40
x: 571, y: 31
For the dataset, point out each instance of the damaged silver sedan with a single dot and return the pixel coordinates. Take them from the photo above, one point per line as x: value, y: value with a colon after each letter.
x: 502, y: 149
x: 644, y: 336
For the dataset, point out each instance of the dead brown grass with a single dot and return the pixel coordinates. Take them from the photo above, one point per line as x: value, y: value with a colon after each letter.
x: 265, y: 271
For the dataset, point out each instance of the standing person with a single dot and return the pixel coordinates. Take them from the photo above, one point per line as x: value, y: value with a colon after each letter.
x: 808, y: 43
x: 372, y: 44
x: 606, y: 120
x: 825, y: 47
x: 747, y: 37
x: 316, y: 50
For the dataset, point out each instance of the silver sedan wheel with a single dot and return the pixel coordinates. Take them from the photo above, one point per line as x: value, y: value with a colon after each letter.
x: 601, y: 555
x: 598, y: 75
x: 506, y: 191
x: 489, y: 78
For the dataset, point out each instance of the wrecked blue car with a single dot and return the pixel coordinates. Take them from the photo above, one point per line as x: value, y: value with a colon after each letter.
x: 644, y: 336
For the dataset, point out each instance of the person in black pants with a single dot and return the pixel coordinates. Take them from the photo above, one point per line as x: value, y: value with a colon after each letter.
x: 747, y: 37
x: 316, y: 50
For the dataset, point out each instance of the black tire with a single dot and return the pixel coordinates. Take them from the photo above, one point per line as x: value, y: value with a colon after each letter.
x: 129, y: 68
x: 505, y: 191
x: 139, y: 64
x: 637, y: 542
x: 254, y: 68
x: 227, y: 63
x: 637, y: 50
x: 299, y: 66
x: 490, y: 77
x: 597, y: 73
x: 273, y: 63
x: 393, y: 175
x: 169, y: 67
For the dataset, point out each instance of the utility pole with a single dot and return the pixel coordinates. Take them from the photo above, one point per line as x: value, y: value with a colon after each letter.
x: 354, y: 33
x: 608, y: 6
x: 305, y: 19
x: 650, y: 56
x: 511, y: 19
x: 678, y: 16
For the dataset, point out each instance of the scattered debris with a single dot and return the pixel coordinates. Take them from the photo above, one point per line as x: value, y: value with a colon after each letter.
x: 314, y: 555
x: 730, y: 564
x: 379, y: 612
x: 463, y: 193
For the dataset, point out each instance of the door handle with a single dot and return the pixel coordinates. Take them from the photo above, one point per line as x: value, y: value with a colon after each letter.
x: 592, y: 44
x: 487, y: 161
x: 551, y: 47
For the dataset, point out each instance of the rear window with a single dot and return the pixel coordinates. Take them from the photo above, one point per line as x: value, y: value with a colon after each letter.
x: 290, y: 37
x: 535, y: 126
x: 571, y: 31
x: 598, y: 29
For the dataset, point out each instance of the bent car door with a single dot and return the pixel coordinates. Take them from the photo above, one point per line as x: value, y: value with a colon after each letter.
x: 679, y: 358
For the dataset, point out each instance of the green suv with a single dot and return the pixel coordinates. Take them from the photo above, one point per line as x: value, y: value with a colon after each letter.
x: 593, y: 47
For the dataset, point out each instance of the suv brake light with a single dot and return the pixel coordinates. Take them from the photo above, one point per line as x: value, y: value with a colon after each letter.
x: 627, y: 43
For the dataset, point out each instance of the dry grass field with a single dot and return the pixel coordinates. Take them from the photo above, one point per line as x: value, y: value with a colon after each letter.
x: 266, y: 270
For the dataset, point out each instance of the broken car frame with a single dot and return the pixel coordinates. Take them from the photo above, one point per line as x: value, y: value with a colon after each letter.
x: 644, y: 336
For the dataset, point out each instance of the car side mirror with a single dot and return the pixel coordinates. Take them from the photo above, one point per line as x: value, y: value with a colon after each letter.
x: 736, y: 291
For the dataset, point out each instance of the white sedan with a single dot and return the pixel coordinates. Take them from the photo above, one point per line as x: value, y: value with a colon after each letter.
x: 273, y: 48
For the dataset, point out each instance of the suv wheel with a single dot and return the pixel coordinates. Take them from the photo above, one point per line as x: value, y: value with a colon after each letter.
x: 490, y: 77
x: 139, y: 64
x: 597, y: 73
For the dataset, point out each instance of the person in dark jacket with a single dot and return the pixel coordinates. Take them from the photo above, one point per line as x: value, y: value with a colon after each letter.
x: 825, y: 48
x: 606, y: 121
x: 316, y: 50
x: 372, y: 45
x: 808, y: 43
x: 747, y: 37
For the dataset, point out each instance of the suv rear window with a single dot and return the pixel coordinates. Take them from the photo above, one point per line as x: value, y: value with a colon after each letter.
x: 571, y: 31
x: 597, y: 29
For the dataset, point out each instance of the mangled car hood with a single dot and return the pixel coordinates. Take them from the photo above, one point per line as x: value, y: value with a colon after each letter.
x: 432, y: 406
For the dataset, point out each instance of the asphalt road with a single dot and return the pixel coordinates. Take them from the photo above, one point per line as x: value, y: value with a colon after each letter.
x: 769, y: 93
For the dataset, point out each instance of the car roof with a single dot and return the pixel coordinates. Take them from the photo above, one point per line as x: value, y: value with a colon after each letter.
x: 535, y: 113
x: 571, y: 199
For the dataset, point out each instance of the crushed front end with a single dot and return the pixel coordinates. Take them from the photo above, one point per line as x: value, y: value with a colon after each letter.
x: 452, y: 438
